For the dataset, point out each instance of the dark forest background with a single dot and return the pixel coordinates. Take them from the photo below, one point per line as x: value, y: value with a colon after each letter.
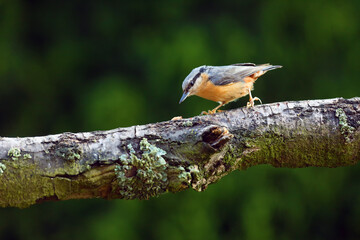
x: 96, y: 65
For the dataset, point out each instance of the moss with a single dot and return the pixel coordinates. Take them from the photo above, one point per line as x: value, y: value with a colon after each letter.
x: 345, y: 129
x: 144, y: 176
x: 301, y: 149
x: 260, y: 150
x: 298, y: 148
x: 230, y: 155
x: 2, y: 168
x: 14, y: 153
x: 199, y: 152
x: 20, y: 188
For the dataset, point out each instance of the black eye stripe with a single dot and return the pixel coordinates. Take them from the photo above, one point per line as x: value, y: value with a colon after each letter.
x: 194, y: 79
x: 192, y: 82
x: 197, y: 75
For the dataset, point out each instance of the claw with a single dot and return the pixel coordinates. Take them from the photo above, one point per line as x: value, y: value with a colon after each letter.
x: 208, y: 112
x: 204, y: 113
x: 257, y: 99
x: 214, y: 110
x: 251, y: 102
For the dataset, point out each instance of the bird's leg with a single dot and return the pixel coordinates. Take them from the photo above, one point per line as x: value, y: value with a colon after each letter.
x: 214, y: 110
x: 252, y: 100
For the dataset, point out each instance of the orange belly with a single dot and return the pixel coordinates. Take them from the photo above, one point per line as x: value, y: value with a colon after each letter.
x: 226, y: 93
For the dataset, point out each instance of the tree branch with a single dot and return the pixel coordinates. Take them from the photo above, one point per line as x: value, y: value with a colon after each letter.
x: 139, y: 162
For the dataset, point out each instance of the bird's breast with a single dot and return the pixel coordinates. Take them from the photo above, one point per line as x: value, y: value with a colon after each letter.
x: 224, y: 93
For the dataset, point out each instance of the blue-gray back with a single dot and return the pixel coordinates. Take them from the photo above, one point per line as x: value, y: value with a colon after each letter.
x: 223, y: 75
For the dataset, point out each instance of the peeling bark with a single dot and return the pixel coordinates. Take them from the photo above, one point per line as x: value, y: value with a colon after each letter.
x: 140, y: 162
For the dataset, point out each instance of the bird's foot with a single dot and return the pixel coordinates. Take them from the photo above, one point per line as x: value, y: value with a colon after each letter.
x: 251, y: 102
x: 210, y: 112
x: 207, y: 113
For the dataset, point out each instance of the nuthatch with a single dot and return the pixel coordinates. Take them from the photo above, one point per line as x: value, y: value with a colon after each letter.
x: 224, y: 84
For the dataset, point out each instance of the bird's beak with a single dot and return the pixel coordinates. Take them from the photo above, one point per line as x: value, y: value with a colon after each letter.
x: 184, y: 96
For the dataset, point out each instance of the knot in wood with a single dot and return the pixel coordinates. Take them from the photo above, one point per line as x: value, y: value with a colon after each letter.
x: 216, y: 136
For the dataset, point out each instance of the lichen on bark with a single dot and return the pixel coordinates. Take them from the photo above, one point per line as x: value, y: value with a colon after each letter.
x: 144, y: 176
x: 345, y: 129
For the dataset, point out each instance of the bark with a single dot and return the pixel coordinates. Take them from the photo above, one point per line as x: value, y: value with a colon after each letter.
x: 139, y: 162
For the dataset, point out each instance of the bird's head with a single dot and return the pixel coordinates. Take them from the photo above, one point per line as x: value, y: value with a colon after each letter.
x: 192, y: 82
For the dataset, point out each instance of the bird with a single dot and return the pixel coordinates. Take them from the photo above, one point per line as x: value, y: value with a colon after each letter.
x: 224, y: 84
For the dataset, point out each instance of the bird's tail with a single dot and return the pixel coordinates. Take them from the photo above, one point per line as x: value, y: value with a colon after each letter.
x: 271, y: 67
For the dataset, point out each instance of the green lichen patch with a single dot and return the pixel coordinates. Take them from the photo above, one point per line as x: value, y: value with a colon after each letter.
x: 27, y: 156
x: 2, y: 168
x: 187, y: 123
x: 14, y: 153
x: 197, y: 178
x: 69, y: 152
x: 345, y: 129
x: 179, y: 178
x: 144, y: 176
x: 184, y: 176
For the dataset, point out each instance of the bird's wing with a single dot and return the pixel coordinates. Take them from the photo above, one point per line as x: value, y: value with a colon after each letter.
x: 244, y: 64
x: 233, y: 73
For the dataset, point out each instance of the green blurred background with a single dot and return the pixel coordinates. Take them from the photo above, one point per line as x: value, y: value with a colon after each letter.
x: 97, y: 65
